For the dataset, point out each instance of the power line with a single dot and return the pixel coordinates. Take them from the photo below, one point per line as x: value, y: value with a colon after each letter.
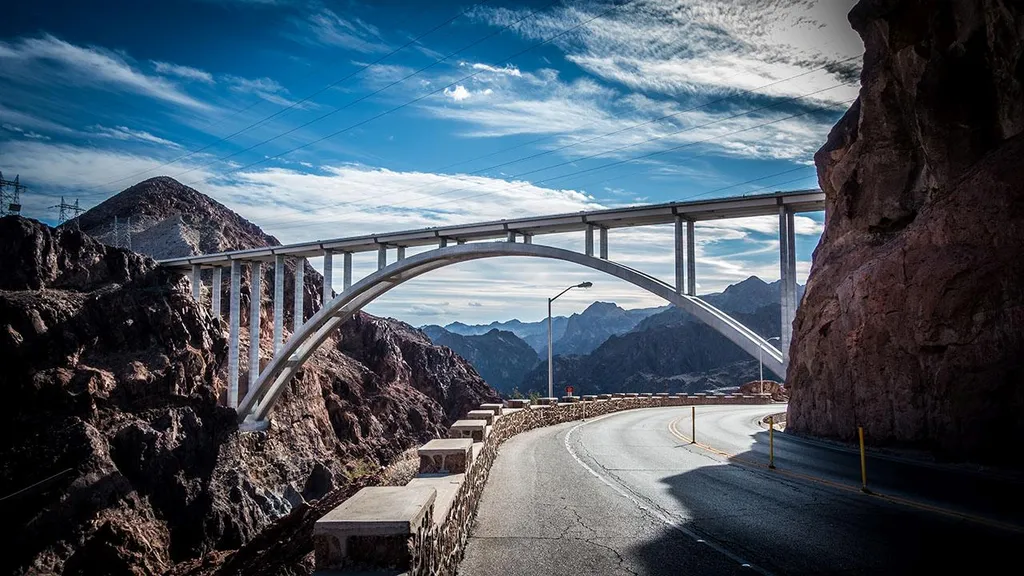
x: 418, y: 99
x: 298, y: 102
x: 68, y: 213
x: 10, y: 195
x: 591, y: 156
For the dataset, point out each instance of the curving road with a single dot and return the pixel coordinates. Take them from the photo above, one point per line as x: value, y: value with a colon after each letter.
x: 628, y: 494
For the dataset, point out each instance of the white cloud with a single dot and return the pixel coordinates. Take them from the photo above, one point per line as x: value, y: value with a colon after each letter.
x: 326, y: 27
x: 507, y: 70
x: 49, y: 60
x: 266, y: 88
x: 21, y: 131
x: 125, y: 133
x: 458, y: 94
x: 186, y: 72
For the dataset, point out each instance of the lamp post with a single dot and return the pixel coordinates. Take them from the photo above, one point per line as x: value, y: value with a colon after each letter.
x: 760, y: 362
x: 551, y: 372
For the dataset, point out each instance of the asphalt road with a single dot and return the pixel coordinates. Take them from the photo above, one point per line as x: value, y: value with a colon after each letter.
x: 628, y: 494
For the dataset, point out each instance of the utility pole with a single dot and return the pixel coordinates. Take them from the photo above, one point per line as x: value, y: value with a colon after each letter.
x: 68, y: 212
x: 122, y: 234
x: 10, y: 196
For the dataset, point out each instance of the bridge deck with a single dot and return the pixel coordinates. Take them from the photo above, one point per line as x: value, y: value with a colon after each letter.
x: 647, y: 215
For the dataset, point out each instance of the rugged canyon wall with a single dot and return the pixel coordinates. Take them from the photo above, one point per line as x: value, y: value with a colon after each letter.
x: 912, y: 324
x: 118, y: 458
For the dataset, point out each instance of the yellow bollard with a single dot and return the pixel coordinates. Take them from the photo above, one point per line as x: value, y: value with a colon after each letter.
x: 771, y: 442
x: 863, y: 464
x: 693, y: 424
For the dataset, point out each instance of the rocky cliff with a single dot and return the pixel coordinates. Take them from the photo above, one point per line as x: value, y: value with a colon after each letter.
x: 118, y: 454
x: 913, y: 320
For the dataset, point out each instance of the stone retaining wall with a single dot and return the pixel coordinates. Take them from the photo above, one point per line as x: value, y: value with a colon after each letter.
x: 437, y: 547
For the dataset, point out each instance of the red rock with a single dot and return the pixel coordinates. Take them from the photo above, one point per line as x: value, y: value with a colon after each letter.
x: 912, y: 324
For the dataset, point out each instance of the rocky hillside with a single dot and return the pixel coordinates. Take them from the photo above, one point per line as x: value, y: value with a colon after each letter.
x: 533, y: 333
x: 119, y: 454
x: 913, y: 321
x: 589, y: 329
x: 501, y: 357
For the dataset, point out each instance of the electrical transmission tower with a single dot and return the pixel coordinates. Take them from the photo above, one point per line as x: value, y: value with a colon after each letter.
x: 10, y: 196
x: 122, y: 234
x: 68, y: 212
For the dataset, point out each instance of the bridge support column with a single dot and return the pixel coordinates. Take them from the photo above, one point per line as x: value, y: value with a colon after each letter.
x: 442, y: 242
x: 197, y: 282
x: 234, y: 326
x: 401, y: 252
x: 215, y: 292
x: 460, y: 241
x: 604, y: 243
x: 680, y: 246
x: 787, y: 266
x: 527, y: 238
x: 255, y: 298
x: 278, y: 303
x: 691, y: 260
x: 328, y: 276
x: 347, y: 265
x: 588, y: 243
x: 511, y: 236
x: 382, y: 256
x: 298, y: 314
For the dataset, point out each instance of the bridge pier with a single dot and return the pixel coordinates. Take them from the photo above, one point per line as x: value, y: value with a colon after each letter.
x: 215, y: 292
x: 255, y: 296
x: 510, y: 237
x: 347, y: 271
x: 197, y: 282
x: 442, y: 242
x: 300, y: 285
x: 604, y: 243
x: 527, y: 238
x: 691, y: 260
x: 278, y: 303
x: 589, y: 240
x: 382, y: 257
x: 787, y: 268
x: 234, y: 327
x: 328, y: 276
x: 686, y: 266
x: 401, y: 252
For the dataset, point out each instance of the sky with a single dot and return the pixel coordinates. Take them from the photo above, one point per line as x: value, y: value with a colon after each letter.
x: 318, y: 119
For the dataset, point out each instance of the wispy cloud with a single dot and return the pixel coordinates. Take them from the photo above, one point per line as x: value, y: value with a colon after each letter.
x: 49, y: 60
x: 326, y: 27
x: 184, y: 72
x: 127, y: 134
x: 266, y: 88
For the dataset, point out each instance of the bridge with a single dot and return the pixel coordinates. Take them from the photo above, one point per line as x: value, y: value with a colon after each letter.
x: 455, y: 244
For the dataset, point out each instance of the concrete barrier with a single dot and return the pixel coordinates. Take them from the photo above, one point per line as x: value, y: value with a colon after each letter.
x: 423, y: 531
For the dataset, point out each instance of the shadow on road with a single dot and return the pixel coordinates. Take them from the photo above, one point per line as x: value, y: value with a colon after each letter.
x: 796, y: 526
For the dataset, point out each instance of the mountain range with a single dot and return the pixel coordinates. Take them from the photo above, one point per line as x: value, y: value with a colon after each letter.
x: 608, y: 349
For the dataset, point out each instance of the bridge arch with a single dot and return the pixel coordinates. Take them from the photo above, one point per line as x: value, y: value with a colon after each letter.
x: 260, y: 399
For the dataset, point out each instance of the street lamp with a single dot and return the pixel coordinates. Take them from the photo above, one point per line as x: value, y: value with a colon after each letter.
x: 551, y: 372
x: 760, y: 361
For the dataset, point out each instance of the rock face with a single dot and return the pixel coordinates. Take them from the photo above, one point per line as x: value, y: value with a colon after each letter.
x: 501, y: 357
x: 913, y: 320
x: 118, y: 453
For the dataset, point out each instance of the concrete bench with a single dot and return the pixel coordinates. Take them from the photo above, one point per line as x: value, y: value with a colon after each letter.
x: 485, y: 415
x: 473, y: 429
x: 519, y: 403
x: 451, y: 455
x: 496, y: 408
x: 372, y: 528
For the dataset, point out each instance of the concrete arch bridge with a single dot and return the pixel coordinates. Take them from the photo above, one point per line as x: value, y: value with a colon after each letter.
x: 457, y: 244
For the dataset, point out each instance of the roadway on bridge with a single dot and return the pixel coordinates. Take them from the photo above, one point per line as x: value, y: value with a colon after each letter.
x: 628, y: 494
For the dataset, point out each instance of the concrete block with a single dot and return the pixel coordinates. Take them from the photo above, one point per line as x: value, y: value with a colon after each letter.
x: 372, y: 528
x: 589, y: 398
x: 485, y: 415
x: 646, y: 395
x: 449, y: 455
x: 447, y: 486
x: 468, y: 429
x: 662, y: 394
x: 496, y: 408
x: 519, y: 403
x: 604, y: 396
x: 631, y: 394
x: 547, y: 401
x: 570, y: 399
x: 618, y: 395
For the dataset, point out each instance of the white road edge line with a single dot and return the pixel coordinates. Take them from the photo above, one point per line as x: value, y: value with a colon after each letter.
x: 625, y: 493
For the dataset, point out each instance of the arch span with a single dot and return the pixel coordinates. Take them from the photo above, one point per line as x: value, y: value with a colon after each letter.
x: 272, y: 382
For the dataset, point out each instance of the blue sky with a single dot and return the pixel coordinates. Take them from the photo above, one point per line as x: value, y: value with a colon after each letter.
x: 326, y: 119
